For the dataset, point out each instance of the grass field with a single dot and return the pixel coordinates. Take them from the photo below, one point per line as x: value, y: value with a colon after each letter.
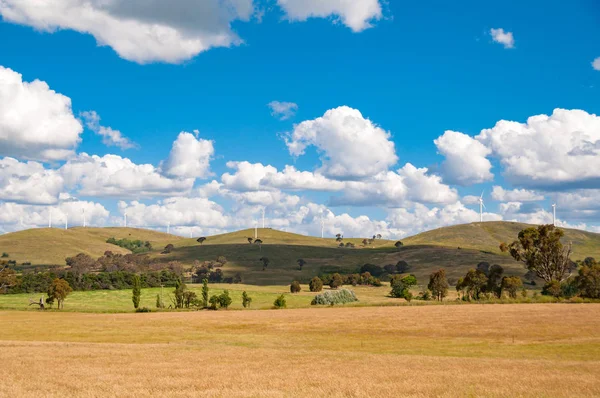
x: 541, y: 350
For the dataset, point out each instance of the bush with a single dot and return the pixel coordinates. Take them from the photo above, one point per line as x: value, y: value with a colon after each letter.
x: 316, y: 284
x: 336, y: 281
x: 329, y: 297
x: 401, y: 287
x: 588, y: 280
x: 246, y: 300
x: 295, y: 287
x: 214, y: 300
x: 280, y: 302
x: 224, y: 299
x: 5, y: 254
x: 143, y: 309
x: 552, y: 289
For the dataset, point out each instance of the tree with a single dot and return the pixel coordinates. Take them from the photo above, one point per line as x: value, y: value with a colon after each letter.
x: 189, y: 298
x: 224, y: 299
x: 494, y: 275
x: 280, y: 302
x: 552, y: 288
x: 201, y: 239
x: 80, y: 264
x: 301, y: 263
x: 373, y: 269
x: 378, y: 236
x: 336, y: 281
x: 401, y: 287
x: 168, y: 249
x: 588, y: 280
x: 250, y: 240
x: 222, y: 260
x: 8, y: 277
x: 265, y: 261
x: 295, y: 287
x: 474, y: 283
x: 179, y: 290
x: 205, y: 292
x: 402, y: 267
x: 246, y: 300
x: 365, y: 242
x: 137, y: 291
x: 214, y: 301
x: 339, y: 237
x: 438, y: 284
x: 398, y: 244
x: 511, y: 284
x: 159, y: 302
x: 316, y: 284
x: 59, y: 290
x: 542, y: 252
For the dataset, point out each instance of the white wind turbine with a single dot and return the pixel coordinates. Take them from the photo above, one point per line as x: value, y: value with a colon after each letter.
x: 83, y: 211
x: 263, y: 217
x: 50, y: 217
x: 125, y: 220
x: 481, y: 207
x: 66, y: 221
x: 168, y: 227
x: 255, y: 230
x: 554, y: 214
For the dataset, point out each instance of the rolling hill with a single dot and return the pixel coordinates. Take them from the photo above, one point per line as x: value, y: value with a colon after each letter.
x: 456, y: 248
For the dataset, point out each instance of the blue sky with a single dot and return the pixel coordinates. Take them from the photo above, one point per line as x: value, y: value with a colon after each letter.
x: 418, y: 70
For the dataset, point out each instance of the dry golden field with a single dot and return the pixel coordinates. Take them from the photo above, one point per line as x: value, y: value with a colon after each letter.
x: 550, y: 350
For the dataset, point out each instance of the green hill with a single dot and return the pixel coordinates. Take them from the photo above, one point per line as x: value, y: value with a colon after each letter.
x: 456, y: 248
x: 487, y: 236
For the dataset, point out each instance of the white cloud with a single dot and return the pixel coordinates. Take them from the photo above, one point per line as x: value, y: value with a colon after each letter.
x: 547, y: 151
x: 596, y: 64
x: 112, y: 175
x: 470, y: 200
x: 283, y: 110
x: 110, y: 137
x: 358, y: 15
x: 189, y: 157
x: 12, y: 214
x: 502, y: 37
x: 36, y: 122
x: 351, y: 146
x: 28, y: 182
x: 138, y: 30
x: 515, y: 195
x: 466, y: 161
x: 178, y: 211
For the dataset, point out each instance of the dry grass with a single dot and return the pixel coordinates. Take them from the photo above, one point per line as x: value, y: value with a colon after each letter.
x: 548, y: 350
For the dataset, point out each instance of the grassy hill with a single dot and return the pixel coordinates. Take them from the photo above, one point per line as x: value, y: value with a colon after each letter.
x: 50, y: 246
x: 456, y: 248
x: 487, y: 236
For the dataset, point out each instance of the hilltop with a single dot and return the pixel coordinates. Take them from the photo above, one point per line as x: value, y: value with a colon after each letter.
x: 456, y: 248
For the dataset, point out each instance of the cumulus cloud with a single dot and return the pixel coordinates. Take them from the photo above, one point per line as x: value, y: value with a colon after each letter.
x: 189, y: 157
x: 544, y: 150
x: 109, y: 136
x: 466, y: 161
x: 28, y: 182
x: 358, y: 15
x: 502, y: 37
x: 515, y: 195
x: 596, y: 64
x: 138, y: 30
x: 283, y: 110
x: 36, y: 122
x: 115, y: 176
x: 351, y: 146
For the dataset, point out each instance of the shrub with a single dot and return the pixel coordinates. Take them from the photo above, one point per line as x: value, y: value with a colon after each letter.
x: 5, y: 254
x: 280, y: 302
x: 295, y: 287
x: 137, y: 291
x: 222, y: 260
x: 246, y: 300
x: 588, y: 280
x: 168, y: 249
x: 214, y: 300
x: 224, y: 299
x: 552, y: 289
x: 425, y: 295
x: 329, y: 297
x: 336, y: 281
x: 159, y: 303
x: 316, y: 284
x: 401, y: 287
x: 511, y: 284
x: 143, y: 309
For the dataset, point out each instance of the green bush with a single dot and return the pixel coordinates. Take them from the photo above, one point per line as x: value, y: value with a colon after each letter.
x: 280, y: 302
x: 295, y: 287
x: 214, y: 300
x: 5, y: 254
x: 246, y: 300
x: 224, y: 299
x: 552, y: 289
x: 331, y: 297
x: 135, y: 246
x: 143, y: 309
x: 316, y: 284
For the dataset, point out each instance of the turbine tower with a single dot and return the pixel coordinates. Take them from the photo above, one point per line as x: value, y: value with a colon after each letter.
x: 168, y: 227
x: 83, y: 211
x: 554, y: 214
x: 255, y: 230
x: 481, y: 207
x: 322, y: 227
x: 263, y: 217
x: 50, y: 218
x: 125, y: 220
x: 66, y: 221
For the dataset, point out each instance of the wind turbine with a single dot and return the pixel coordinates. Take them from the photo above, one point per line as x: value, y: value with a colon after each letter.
x: 168, y: 227
x: 125, y: 220
x: 481, y: 207
x: 255, y: 230
x: 83, y: 211
x: 554, y: 214
x: 66, y: 221
x: 50, y: 217
x: 263, y: 217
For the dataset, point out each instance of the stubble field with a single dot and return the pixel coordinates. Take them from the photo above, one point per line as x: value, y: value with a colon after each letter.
x: 505, y: 350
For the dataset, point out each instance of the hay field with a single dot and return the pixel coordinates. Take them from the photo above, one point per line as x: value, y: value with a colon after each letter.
x: 548, y: 350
